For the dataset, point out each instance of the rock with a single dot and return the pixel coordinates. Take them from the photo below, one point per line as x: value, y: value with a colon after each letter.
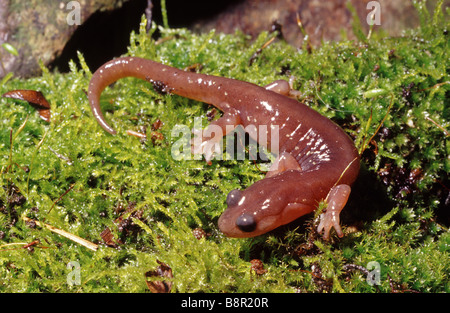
x: 39, y: 30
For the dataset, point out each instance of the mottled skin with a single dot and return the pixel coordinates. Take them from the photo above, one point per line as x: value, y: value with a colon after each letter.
x: 317, y: 160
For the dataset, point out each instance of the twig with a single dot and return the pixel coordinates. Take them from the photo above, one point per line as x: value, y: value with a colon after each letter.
x: 149, y: 15
x: 57, y: 200
x: 363, y: 146
x: 62, y: 157
x: 79, y: 240
x: 435, y: 123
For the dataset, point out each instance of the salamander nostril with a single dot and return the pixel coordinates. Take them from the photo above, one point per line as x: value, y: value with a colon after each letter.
x: 246, y: 223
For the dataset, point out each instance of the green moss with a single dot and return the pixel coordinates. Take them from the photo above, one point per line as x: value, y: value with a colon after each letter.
x: 401, y: 83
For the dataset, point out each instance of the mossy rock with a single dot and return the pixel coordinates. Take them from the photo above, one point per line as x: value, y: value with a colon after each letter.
x: 389, y: 94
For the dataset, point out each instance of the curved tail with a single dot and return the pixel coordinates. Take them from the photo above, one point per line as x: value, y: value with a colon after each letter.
x: 112, y: 71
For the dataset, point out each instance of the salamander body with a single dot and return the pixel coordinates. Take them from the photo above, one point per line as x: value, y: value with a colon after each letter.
x: 317, y: 160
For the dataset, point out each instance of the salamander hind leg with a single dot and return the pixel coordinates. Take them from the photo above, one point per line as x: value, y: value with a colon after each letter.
x: 336, y: 199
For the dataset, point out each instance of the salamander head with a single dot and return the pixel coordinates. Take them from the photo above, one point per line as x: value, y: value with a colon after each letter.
x: 256, y: 210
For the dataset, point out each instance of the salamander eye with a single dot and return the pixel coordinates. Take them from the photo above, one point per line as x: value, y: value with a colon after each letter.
x: 246, y: 223
x: 234, y: 196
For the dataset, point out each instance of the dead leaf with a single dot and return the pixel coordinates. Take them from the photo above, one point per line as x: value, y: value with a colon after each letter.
x: 159, y: 286
x: 35, y: 98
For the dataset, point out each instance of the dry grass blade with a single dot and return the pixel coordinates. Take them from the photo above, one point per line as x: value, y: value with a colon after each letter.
x: 79, y: 240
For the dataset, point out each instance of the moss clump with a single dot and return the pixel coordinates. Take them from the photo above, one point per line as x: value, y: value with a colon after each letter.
x: 390, y: 94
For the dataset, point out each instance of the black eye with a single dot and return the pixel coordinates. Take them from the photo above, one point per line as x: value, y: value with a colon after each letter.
x: 234, y: 196
x: 246, y: 223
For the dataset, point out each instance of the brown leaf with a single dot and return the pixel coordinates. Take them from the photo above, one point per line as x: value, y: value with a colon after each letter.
x: 157, y: 124
x: 159, y: 286
x: 108, y: 237
x: 35, y: 98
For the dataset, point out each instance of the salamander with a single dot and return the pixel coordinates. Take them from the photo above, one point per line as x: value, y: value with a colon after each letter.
x: 316, y: 159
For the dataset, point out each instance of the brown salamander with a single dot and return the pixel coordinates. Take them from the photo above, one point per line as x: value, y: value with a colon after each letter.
x: 317, y: 160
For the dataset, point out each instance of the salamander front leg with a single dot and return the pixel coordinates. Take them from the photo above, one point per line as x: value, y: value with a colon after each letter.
x: 285, y: 161
x: 207, y: 141
x: 284, y: 88
x: 336, y: 199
